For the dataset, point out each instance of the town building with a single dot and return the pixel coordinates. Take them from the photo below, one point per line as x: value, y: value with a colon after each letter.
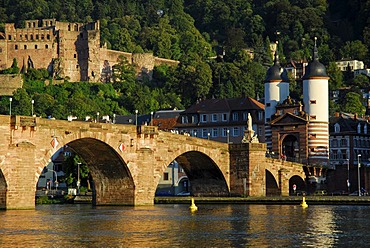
x: 68, y: 51
x: 349, y: 147
x: 223, y: 120
x: 351, y: 64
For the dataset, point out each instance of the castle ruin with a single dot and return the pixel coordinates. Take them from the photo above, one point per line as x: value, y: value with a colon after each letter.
x: 68, y: 50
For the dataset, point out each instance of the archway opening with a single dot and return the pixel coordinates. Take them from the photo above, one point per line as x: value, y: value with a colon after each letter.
x: 194, y: 173
x: 290, y: 148
x: 3, y: 188
x: 272, y: 187
x: 297, y: 186
x: 107, y: 179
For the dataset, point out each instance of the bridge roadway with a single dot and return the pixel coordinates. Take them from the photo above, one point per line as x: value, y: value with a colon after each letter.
x: 126, y: 162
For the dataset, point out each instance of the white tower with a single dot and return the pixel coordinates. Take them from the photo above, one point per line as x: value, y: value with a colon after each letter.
x: 276, y: 91
x: 316, y: 105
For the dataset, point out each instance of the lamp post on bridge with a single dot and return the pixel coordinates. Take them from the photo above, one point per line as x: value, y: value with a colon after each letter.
x: 348, y: 182
x: 358, y: 174
x: 136, y: 111
x: 78, y: 178
x: 228, y: 135
x: 10, y: 106
x: 151, y: 118
x: 32, y: 102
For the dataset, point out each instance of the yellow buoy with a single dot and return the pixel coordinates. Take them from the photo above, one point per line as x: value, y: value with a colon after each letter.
x: 304, y: 204
x: 192, y: 206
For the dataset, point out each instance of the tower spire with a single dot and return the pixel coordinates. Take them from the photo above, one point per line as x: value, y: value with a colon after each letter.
x: 315, y: 52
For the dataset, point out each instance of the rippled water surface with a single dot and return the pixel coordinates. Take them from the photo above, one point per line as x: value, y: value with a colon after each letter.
x: 175, y: 226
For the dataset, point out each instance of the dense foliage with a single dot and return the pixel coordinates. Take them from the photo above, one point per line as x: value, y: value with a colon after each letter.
x: 193, y: 32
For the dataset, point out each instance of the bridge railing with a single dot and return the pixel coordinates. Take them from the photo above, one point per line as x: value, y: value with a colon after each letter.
x: 285, y: 158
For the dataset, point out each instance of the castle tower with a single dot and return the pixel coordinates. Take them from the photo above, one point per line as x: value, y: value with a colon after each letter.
x: 276, y: 91
x: 316, y: 105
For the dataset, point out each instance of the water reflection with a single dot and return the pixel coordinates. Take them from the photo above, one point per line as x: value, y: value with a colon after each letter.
x: 175, y: 226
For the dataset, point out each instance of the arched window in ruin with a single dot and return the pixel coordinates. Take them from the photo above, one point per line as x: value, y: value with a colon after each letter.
x: 46, y: 46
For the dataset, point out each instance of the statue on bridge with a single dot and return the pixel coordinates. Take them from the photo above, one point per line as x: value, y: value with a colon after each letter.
x: 249, y: 135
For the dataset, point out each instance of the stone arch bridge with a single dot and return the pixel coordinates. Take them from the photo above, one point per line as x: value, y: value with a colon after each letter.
x: 126, y: 162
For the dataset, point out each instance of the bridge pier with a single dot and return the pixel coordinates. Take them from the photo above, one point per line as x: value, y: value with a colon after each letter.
x: 247, y: 169
x: 21, y: 189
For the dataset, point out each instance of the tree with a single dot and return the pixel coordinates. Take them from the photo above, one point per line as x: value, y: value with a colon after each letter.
x: 353, y: 104
x: 335, y: 76
x: 355, y: 50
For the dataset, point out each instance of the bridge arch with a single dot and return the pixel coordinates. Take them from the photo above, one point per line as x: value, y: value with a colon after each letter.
x: 112, y: 181
x: 272, y: 186
x: 205, y: 176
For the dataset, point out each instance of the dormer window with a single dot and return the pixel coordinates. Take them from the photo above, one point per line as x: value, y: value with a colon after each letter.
x: 235, y: 116
x: 336, y: 128
x: 214, y: 117
x: 204, y: 118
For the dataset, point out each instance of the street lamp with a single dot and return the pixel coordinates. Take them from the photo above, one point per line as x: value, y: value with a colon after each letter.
x: 78, y: 178
x: 136, y: 111
x: 97, y: 117
x: 56, y: 179
x: 209, y: 135
x: 32, y: 102
x: 151, y: 118
x: 114, y: 118
x: 10, y: 106
x: 358, y: 174
x: 348, y: 183
x: 228, y: 136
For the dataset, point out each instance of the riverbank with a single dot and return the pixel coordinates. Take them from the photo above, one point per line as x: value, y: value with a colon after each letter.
x: 288, y: 200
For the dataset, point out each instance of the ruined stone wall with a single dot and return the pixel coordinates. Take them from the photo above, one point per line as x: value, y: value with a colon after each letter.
x: 9, y: 83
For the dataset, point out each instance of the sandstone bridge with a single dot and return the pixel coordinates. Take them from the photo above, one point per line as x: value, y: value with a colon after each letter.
x: 126, y: 162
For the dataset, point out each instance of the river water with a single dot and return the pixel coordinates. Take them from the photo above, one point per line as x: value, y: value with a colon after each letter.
x: 174, y: 225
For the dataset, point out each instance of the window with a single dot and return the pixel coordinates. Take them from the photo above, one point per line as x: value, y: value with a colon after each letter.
x: 235, y: 131
x: 48, y: 36
x: 74, y: 55
x: 9, y: 37
x: 204, y: 133
x: 35, y: 46
x: 260, y: 131
x: 204, y: 118
x: 334, y: 143
x: 224, y: 117
x: 184, y: 119
x: 194, y: 119
x: 37, y: 36
x: 268, y: 104
x: 165, y: 176
x: 224, y: 131
x: 235, y: 116
x: 260, y: 115
x: 214, y: 117
x: 365, y: 129
x: 359, y: 128
x: 25, y: 46
x: 16, y: 47
x: 214, y: 132
x: 46, y: 46
x: 343, y: 142
x: 336, y: 128
x: 245, y: 116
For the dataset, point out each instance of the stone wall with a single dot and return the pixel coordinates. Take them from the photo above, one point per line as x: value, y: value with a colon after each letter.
x: 9, y: 83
